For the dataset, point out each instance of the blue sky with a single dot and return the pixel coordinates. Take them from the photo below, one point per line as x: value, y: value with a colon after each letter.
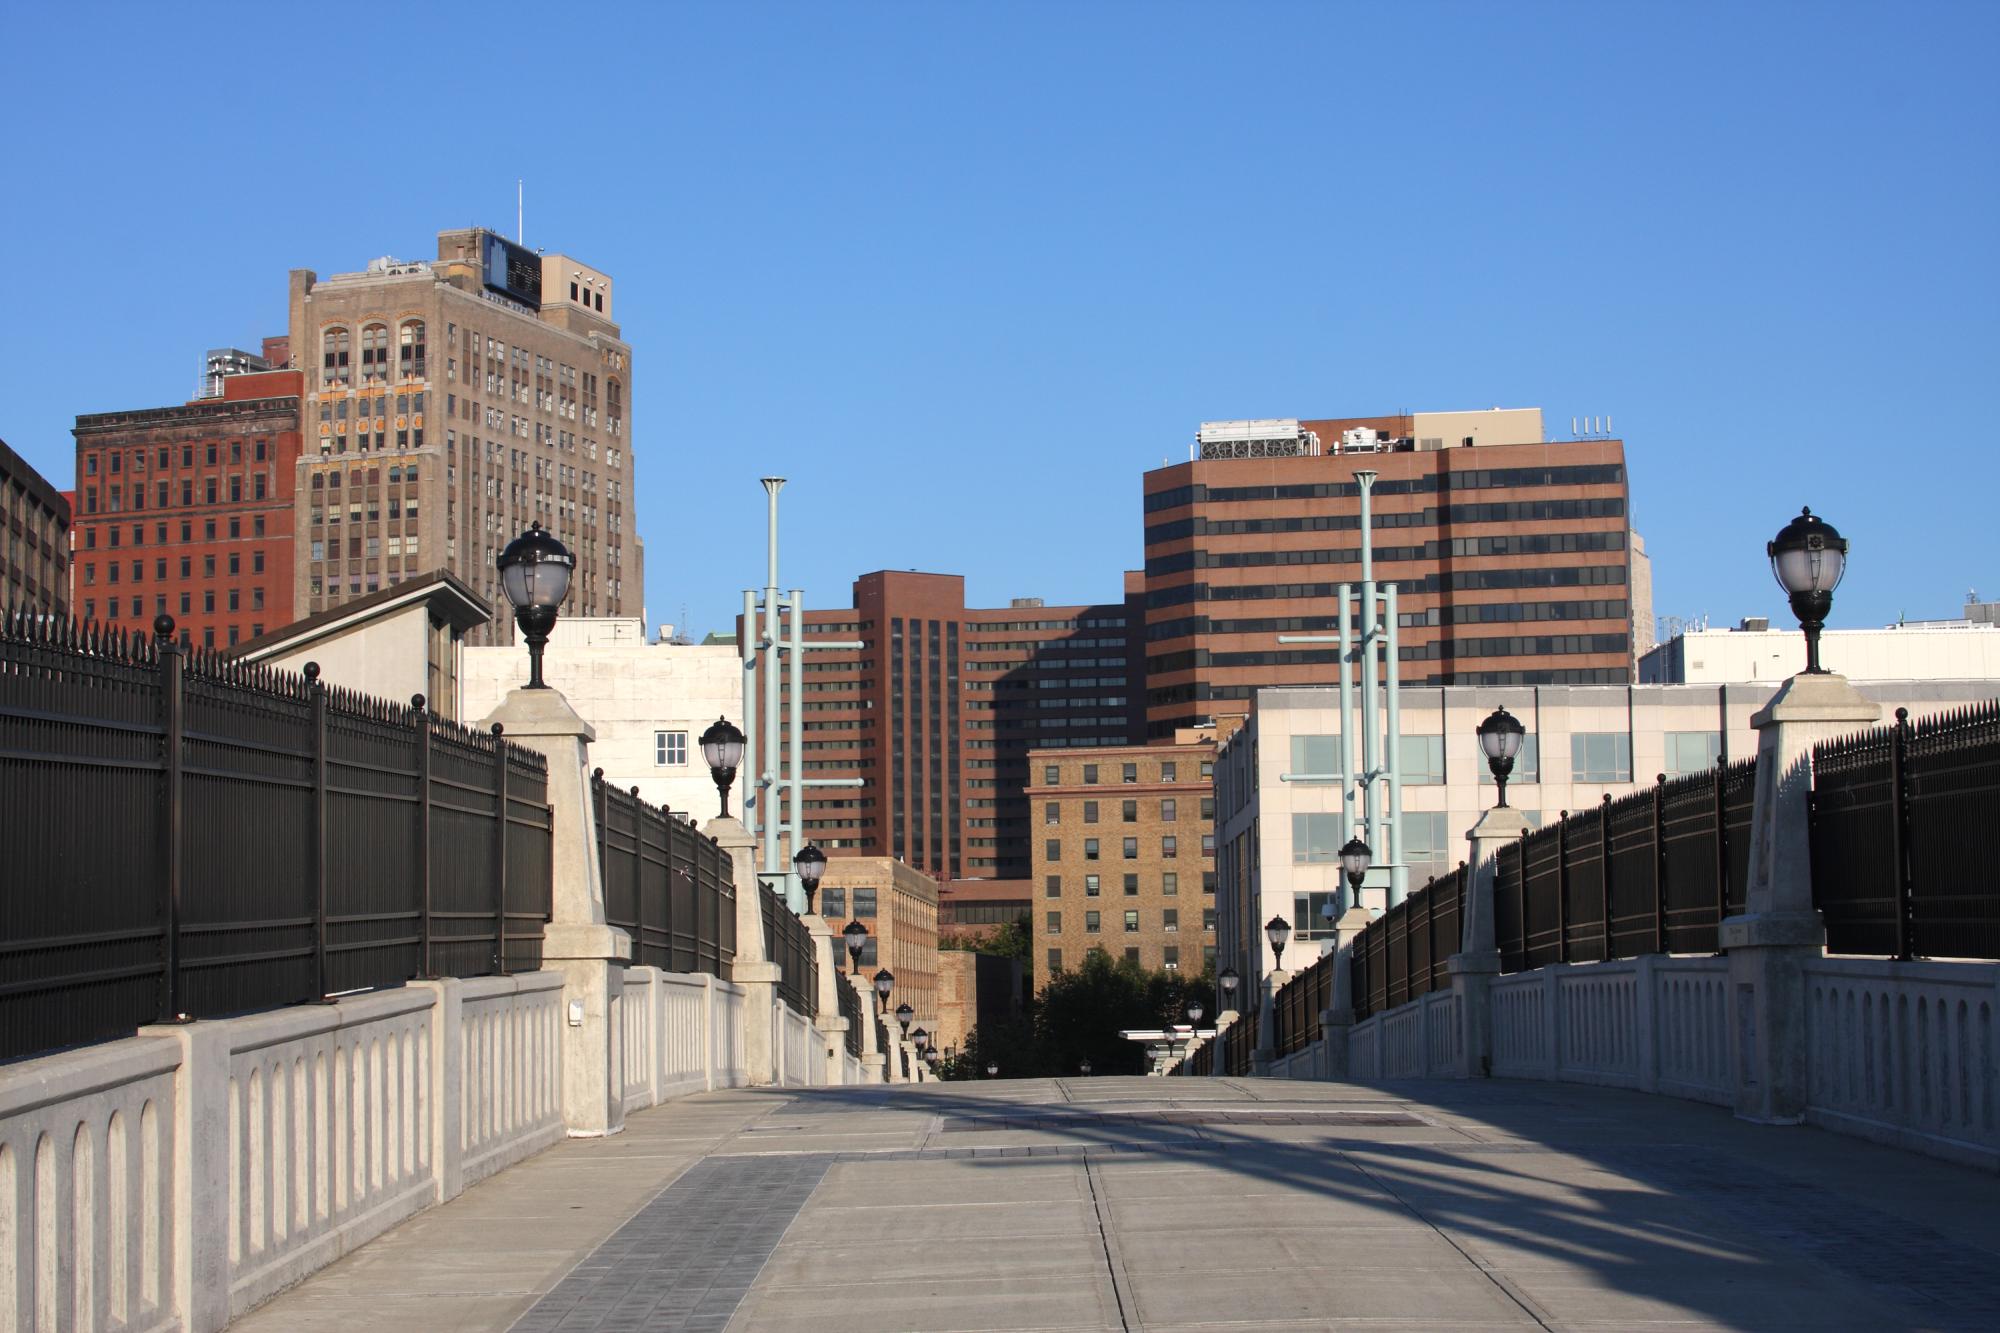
x: 963, y: 272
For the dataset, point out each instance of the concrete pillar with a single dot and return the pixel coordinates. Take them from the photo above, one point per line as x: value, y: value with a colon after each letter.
x: 200, y: 1257
x: 1222, y: 1022
x: 752, y: 971
x: 1267, y: 1022
x: 1477, y: 961
x: 447, y: 1128
x: 1336, y: 1021
x: 1779, y: 929
x: 831, y: 1024
x: 577, y: 941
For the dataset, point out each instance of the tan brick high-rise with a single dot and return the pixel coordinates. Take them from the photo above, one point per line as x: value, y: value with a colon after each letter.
x: 449, y: 404
x: 1124, y: 854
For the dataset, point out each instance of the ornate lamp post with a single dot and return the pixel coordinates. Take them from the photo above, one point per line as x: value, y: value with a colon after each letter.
x: 722, y: 750
x: 1085, y: 1067
x: 922, y: 1041
x: 534, y: 573
x: 1809, y: 556
x: 854, y: 934
x: 1277, y: 930
x: 992, y: 1071
x: 810, y: 864
x: 1229, y: 981
x: 1354, y: 861
x: 903, y: 1016
x: 1500, y: 737
x: 885, y: 981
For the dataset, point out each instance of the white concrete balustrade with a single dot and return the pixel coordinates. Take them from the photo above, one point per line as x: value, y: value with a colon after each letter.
x: 177, y: 1179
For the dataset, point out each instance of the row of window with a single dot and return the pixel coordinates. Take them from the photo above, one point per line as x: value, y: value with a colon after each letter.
x: 234, y: 565
x: 1471, y: 479
x: 1169, y: 771
x: 1128, y: 811
x: 1170, y: 884
x: 1477, y: 613
x: 114, y: 460
x: 1460, y: 580
x: 1170, y: 848
x: 1093, y: 922
x: 835, y: 902
x: 161, y: 604
x: 1595, y: 756
x: 1516, y: 511
x: 1170, y: 957
x: 116, y: 497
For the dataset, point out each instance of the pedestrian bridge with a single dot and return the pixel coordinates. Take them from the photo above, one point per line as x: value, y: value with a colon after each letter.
x: 1183, y: 1204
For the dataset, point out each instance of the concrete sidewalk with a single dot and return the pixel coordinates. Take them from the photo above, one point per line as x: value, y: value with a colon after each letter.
x: 1185, y: 1204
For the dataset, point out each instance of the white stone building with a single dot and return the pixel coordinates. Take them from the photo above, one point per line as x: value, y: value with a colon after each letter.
x: 648, y: 701
x: 1928, y: 650
x: 1276, y: 839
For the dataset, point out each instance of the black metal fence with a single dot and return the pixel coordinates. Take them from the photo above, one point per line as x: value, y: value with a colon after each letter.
x: 1237, y: 1041
x: 1295, y: 1020
x: 189, y: 836
x: 789, y: 944
x: 1404, y: 953
x: 1654, y: 872
x: 666, y: 884
x: 850, y: 1009
x: 1906, y: 834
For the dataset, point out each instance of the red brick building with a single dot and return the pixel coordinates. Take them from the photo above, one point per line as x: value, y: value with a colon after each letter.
x: 937, y: 712
x: 187, y: 511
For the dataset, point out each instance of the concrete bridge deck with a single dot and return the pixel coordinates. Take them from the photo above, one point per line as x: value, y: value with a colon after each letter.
x: 1184, y: 1204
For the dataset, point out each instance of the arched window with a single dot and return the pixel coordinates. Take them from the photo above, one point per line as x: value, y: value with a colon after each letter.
x: 614, y: 399
x: 333, y: 357
x: 374, y: 352
x: 411, y: 349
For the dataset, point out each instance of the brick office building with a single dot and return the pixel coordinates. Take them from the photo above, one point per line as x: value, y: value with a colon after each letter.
x: 187, y: 511
x: 937, y: 712
x: 1512, y: 556
x: 1125, y: 854
x: 899, y: 906
x: 34, y: 539
x: 449, y: 403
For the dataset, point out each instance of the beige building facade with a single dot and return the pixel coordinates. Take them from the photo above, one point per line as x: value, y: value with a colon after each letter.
x: 1124, y: 853
x: 449, y: 403
x: 648, y: 702
x: 1279, y: 831
x: 899, y: 905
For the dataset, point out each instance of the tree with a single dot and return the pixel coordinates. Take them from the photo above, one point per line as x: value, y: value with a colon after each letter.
x: 1014, y: 939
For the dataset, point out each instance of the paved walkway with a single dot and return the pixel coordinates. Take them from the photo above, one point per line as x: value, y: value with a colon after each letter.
x: 1185, y: 1204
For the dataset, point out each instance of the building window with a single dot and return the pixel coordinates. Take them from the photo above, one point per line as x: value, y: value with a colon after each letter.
x: 1055, y: 961
x: 1600, y: 756
x: 333, y: 357
x: 1208, y: 918
x: 374, y: 353
x: 1054, y: 923
x: 1132, y: 922
x: 1692, y: 752
x: 1053, y: 886
x: 1091, y: 922
x: 864, y: 902
x: 1129, y: 812
x: 1129, y: 773
x: 1090, y: 889
x: 670, y: 748
x: 1090, y: 849
x: 1167, y: 771
x: 1051, y: 775
x: 1170, y: 919
x: 1090, y: 812
x: 1131, y: 886
x: 1168, y: 810
x: 1426, y: 845
x: 1090, y: 775
x: 1131, y: 849
x: 1052, y: 812
x: 1172, y: 960
x: 411, y: 349
x: 1052, y: 850
x: 833, y: 903
x: 1170, y: 884
x: 1316, y: 839
x: 1170, y: 846
x: 1422, y: 760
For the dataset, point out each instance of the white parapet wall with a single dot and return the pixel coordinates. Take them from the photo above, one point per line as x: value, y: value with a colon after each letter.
x: 175, y: 1180
x: 1906, y: 1053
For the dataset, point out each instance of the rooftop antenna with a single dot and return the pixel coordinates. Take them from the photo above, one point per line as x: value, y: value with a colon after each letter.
x: 520, y: 199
